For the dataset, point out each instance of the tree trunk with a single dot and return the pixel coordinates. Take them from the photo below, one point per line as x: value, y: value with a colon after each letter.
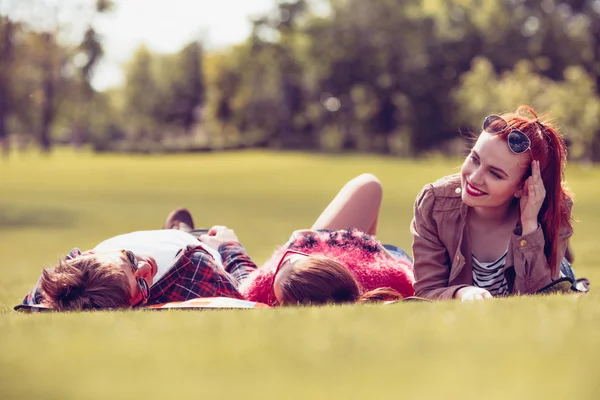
x: 48, y: 95
x: 5, y: 63
x: 594, y: 149
x: 348, y: 122
x: 285, y: 118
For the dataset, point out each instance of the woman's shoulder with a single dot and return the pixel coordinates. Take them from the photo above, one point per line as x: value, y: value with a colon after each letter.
x: 448, y: 186
x: 443, y: 194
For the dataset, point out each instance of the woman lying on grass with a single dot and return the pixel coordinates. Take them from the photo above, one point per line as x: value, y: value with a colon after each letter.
x: 501, y: 226
x: 338, y: 260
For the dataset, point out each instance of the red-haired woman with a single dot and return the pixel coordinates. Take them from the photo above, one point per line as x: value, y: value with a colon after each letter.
x: 501, y: 225
x: 338, y: 260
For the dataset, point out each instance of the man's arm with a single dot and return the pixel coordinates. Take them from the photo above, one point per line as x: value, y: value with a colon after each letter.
x: 236, y: 261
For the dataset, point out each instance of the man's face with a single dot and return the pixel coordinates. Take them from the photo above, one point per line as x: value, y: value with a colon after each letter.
x: 146, y: 269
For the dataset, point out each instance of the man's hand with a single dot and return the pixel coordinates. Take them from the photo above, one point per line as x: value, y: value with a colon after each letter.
x: 471, y: 293
x: 217, y: 235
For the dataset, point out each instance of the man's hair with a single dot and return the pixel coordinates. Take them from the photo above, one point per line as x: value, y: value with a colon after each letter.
x: 84, y: 283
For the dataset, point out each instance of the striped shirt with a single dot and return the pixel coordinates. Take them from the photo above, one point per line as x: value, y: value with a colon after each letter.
x: 490, y: 276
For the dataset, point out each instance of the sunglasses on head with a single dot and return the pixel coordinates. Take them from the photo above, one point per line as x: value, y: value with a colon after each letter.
x: 284, y: 258
x: 518, y: 142
x: 142, y: 284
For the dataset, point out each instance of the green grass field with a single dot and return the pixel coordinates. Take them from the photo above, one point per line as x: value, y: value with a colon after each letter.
x: 530, y: 347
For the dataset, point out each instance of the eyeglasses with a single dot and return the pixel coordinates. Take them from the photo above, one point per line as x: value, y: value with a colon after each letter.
x: 142, y: 284
x: 283, y: 260
x: 518, y: 142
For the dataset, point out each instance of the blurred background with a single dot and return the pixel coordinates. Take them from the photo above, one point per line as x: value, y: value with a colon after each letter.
x: 400, y: 77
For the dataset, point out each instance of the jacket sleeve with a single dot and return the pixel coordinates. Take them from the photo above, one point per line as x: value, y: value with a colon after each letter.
x: 431, y: 264
x: 531, y: 264
x: 236, y: 261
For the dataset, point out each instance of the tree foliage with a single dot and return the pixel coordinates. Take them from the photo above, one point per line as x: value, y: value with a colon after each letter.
x: 389, y: 76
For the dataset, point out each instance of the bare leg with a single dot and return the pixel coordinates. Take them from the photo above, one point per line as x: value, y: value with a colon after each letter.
x: 355, y: 206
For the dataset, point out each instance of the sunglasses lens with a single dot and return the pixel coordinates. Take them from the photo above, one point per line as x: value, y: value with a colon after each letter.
x: 132, y: 259
x: 494, y: 124
x: 143, y: 287
x: 518, y: 142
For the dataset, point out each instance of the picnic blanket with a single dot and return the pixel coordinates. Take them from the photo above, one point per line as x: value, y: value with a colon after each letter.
x: 199, y: 303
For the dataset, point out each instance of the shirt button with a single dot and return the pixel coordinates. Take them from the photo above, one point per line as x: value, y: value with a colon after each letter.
x: 523, y: 243
x: 457, y: 190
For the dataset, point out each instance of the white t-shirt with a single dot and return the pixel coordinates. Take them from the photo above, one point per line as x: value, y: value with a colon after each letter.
x: 162, y: 245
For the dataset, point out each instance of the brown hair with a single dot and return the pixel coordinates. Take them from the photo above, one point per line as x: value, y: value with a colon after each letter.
x: 83, y: 283
x: 322, y: 280
x: 549, y: 149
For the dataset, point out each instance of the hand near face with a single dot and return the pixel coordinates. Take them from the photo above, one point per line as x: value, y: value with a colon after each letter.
x: 217, y: 235
x: 472, y: 293
x: 533, y: 197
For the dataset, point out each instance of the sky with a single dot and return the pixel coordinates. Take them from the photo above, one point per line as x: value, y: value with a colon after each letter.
x: 167, y: 25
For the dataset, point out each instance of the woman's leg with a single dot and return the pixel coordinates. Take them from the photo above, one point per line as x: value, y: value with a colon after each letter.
x: 355, y: 206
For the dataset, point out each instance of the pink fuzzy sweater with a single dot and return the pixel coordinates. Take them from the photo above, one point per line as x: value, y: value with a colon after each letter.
x: 361, y: 253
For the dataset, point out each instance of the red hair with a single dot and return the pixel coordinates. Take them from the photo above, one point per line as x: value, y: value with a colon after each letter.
x: 549, y: 149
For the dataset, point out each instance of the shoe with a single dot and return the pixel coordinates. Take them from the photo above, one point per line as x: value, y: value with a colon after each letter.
x: 582, y: 285
x: 181, y: 219
x: 566, y: 285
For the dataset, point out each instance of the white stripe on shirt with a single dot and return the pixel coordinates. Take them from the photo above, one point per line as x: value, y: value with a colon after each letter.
x: 490, y: 276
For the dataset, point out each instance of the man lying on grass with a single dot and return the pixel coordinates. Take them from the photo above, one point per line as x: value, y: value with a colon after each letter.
x: 159, y: 266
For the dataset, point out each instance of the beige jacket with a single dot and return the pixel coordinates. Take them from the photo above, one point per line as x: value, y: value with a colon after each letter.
x: 442, y: 251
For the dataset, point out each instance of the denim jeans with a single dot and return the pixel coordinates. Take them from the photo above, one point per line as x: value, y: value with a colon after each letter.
x: 397, y: 252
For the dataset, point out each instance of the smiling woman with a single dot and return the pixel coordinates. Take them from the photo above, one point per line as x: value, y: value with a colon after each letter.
x: 502, y: 225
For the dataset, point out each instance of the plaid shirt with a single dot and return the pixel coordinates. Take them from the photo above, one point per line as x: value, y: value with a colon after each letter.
x: 194, y: 274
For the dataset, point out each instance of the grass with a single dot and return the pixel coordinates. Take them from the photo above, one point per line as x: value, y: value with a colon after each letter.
x: 534, y: 347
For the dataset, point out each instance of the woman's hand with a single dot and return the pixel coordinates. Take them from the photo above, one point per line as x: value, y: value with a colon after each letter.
x: 533, y: 197
x: 471, y: 293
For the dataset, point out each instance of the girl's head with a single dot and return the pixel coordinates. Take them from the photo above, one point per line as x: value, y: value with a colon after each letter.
x: 494, y: 172
x: 304, y: 279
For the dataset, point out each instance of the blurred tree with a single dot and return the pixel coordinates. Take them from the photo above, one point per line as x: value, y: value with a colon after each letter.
x: 142, y: 96
x: 6, y: 61
x: 274, y: 41
x: 571, y: 102
x: 223, y: 81
x: 391, y: 76
x: 186, y: 92
x: 49, y: 62
x: 89, y: 52
x: 47, y: 56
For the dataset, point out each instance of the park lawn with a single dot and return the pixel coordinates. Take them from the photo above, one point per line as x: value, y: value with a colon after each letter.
x: 530, y: 347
